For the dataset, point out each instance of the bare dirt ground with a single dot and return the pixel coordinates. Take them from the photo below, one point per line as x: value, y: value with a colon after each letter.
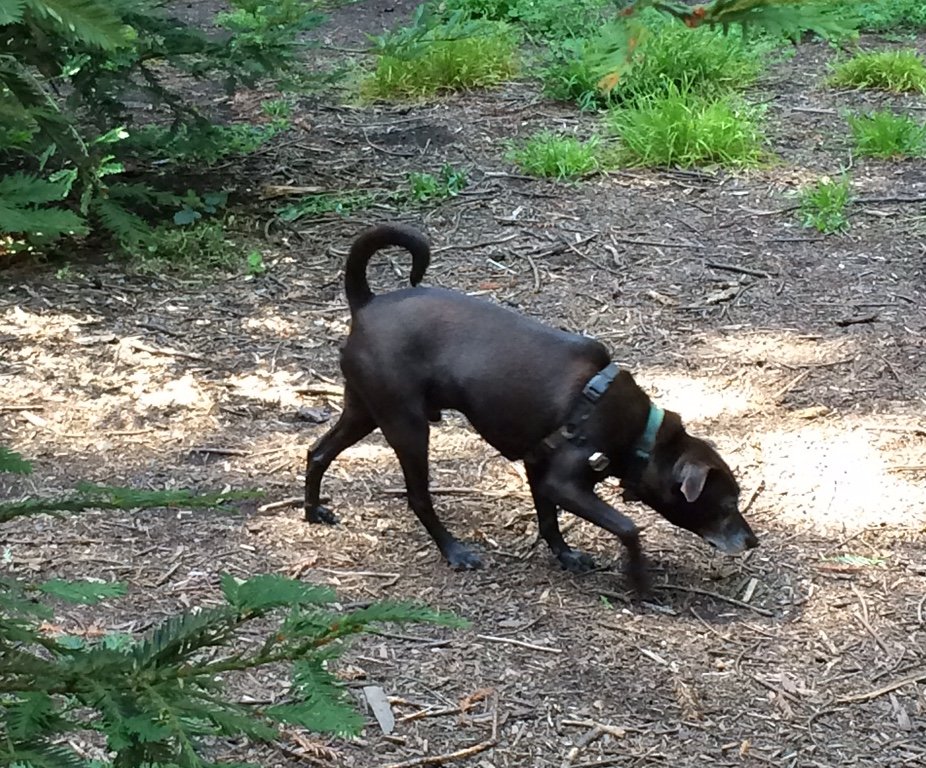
x: 802, y: 356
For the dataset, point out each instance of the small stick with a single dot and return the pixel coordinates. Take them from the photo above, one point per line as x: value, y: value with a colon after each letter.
x: 292, y: 501
x: 535, y: 271
x: 36, y: 407
x: 854, y: 698
x: 716, y: 596
x: 482, y: 746
x: 655, y: 244
x: 458, y: 491
x: 739, y: 270
x: 474, y: 246
x: 521, y: 643
x: 845, y: 322
x: 790, y: 385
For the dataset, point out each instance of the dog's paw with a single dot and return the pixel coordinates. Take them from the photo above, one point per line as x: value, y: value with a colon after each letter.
x: 576, y: 562
x: 462, y: 558
x: 320, y: 514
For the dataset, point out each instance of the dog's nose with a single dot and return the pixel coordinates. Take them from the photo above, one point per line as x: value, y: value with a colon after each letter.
x: 752, y: 541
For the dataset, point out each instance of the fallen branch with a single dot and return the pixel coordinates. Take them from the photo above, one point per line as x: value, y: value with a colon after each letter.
x: 715, y: 595
x: 854, y: 698
x: 521, y: 643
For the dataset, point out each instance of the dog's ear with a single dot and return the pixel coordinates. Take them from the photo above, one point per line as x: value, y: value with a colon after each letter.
x: 692, y: 475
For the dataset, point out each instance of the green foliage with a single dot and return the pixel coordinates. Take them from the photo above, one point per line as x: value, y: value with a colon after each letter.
x: 195, y: 249
x: 341, y: 203
x: 889, y: 15
x: 823, y: 205
x: 432, y: 56
x: 68, y: 68
x: 160, y: 699
x: 886, y: 135
x: 256, y: 265
x: 14, y: 463
x: 896, y: 71
x: 702, y: 61
x: 541, y: 20
x: 425, y: 187
x: 560, y: 157
x: 684, y: 129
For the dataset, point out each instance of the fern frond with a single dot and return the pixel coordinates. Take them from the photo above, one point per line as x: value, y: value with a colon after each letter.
x: 11, y: 11
x: 41, y: 755
x: 234, y: 720
x: 400, y: 613
x: 12, y: 462
x: 322, y: 705
x: 30, y: 716
x: 81, y: 592
x: 270, y: 590
x: 20, y: 189
x: 127, y: 227
x: 83, y: 21
x: 40, y: 222
x: 182, y: 635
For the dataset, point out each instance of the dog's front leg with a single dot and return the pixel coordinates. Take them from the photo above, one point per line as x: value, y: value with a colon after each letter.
x: 548, y: 523
x: 579, y: 498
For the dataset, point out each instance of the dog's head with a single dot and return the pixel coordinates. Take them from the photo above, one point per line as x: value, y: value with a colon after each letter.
x: 687, y: 482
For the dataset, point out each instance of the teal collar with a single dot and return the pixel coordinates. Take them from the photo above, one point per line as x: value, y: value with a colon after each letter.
x: 646, y: 443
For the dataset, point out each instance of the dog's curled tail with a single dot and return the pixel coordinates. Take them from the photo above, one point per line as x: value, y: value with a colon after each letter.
x: 369, y: 242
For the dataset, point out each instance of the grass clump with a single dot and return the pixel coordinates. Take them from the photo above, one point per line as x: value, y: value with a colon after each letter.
x: 884, y: 134
x: 341, y: 203
x: 896, y: 71
x: 702, y: 60
x: 425, y: 187
x: 556, y: 156
x: 685, y: 129
x: 455, y: 55
x: 823, y: 205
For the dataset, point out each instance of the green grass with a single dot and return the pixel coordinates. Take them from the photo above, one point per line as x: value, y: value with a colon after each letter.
x: 886, y: 135
x: 326, y: 202
x: 685, y: 129
x: 823, y: 205
x: 896, y: 71
x: 541, y: 20
x: 892, y: 15
x: 425, y: 187
x: 196, y: 249
x: 418, y: 64
x: 560, y: 157
x: 701, y: 61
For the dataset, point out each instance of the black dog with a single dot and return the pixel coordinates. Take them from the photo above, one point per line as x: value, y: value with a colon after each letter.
x: 550, y: 398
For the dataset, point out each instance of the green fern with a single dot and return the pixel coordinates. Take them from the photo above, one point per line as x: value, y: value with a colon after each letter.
x: 91, y: 22
x: 11, y: 11
x: 82, y: 592
x: 10, y: 461
x: 260, y: 593
x: 127, y: 227
x: 20, y: 196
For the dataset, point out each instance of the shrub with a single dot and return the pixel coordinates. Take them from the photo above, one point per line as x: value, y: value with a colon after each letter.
x: 884, y: 134
x: 68, y: 69
x: 896, y: 71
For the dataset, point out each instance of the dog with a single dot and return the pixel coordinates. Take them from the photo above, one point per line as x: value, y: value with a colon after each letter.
x: 549, y: 398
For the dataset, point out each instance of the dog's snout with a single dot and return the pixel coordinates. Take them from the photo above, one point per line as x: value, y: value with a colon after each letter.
x: 732, y: 537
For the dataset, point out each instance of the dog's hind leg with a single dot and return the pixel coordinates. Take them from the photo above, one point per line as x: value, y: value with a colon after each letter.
x: 548, y: 522
x: 354, y: 424
x: 407, y: 433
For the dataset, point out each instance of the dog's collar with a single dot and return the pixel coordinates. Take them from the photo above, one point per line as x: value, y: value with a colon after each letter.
x: 571, y: 430
x: 644, y: 447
